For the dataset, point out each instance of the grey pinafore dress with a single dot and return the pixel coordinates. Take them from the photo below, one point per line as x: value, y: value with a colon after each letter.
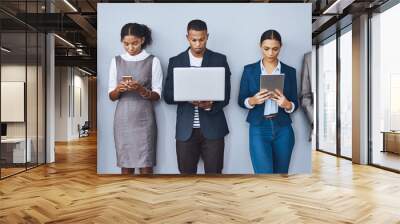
x: 135, y: 128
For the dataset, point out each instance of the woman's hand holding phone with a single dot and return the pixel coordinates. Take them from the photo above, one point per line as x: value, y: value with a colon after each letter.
x: 129, y: 83
x: 133, y: 85
x: 121, y: 87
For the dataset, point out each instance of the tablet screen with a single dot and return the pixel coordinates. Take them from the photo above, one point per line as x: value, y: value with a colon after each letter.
x: 272, y: 82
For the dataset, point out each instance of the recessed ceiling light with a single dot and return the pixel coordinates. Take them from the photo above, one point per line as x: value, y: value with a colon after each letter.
x: 5, y: 50
x: 338, y: 6
x: 86, y: 72
x: 64, y: 40
x: 70, y: 5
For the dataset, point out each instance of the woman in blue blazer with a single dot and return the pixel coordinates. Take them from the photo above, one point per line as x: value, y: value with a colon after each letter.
x: 271, y: 135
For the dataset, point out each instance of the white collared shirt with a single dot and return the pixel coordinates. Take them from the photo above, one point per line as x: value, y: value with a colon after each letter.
x: 156, y: 78
x: 271, y: 107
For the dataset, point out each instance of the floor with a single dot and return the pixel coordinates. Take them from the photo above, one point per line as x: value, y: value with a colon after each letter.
x: 70, y: 191
x: 5, y: 172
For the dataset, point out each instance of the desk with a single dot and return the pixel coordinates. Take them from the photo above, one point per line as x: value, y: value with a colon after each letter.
x: 391, y: 141
x: 15, y: 148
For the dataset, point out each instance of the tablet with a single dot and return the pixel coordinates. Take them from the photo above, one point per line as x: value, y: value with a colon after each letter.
x: 272, y: 82
x: 199, y: 84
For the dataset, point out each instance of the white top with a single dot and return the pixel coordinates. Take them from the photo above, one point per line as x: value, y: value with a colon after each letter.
x: 271, y: 106
x: 157, y: 75
x: 195, y: 62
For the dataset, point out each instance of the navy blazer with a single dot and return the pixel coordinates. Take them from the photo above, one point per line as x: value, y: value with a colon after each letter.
x: 250, y: 85
x: 212, y: 123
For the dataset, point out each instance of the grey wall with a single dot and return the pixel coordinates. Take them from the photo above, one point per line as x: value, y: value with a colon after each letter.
x: 234, y: 30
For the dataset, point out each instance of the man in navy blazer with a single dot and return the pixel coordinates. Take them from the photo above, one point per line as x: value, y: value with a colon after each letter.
x: 200, y: 126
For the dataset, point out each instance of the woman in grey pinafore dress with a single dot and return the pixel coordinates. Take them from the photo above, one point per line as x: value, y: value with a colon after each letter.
x: 135, y: 81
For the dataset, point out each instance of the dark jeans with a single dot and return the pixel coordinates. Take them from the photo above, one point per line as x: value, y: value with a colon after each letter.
x: 189, y: 152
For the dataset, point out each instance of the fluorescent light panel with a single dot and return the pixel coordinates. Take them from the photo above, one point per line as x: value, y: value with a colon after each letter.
x: 86, y: 72
x: 70, y: 5
x: 331, y: 7
x: 64, y: 40
x: 335, y: 7
x: 5, y: 50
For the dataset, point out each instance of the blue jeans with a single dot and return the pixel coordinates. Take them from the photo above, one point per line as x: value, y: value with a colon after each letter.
x: 271, y: 147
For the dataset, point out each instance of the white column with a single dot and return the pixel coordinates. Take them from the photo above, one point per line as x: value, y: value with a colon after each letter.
x: 50, y: 109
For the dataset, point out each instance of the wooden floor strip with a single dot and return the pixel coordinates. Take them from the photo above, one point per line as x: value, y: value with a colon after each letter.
x: 70, y: 191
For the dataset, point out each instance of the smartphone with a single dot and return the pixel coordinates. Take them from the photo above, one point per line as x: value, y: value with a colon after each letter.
x: 126, y: 78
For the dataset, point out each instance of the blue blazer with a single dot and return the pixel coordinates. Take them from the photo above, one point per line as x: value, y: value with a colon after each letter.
x: 250, y: 85
x: 212, y: 123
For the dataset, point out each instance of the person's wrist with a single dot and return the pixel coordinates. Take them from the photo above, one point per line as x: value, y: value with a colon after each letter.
x: 288, y: 105
x: 251, y: 103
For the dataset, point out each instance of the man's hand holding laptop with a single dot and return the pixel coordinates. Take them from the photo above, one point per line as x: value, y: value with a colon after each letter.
x: 206, y: 105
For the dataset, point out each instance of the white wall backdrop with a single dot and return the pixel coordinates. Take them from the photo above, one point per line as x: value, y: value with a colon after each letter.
x: 235, y: 30
x: 71, y: 102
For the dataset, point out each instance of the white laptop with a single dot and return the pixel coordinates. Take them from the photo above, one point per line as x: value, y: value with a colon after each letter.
x: 199, y: 84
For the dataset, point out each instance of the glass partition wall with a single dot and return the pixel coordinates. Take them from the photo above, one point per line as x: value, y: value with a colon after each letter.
x: 345, y: 65
x: 22, y: 88
x: 334, y: 101
x: 385, y: 89
x: 327, y: 96
x: 334, y: 94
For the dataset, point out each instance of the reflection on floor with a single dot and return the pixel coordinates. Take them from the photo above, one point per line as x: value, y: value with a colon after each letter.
x: 386, y: 159
x: 10, y: 169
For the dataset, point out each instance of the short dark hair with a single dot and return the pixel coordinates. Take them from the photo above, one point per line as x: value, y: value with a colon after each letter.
x: 197, y: 25
x: 271, y: 35
x: 138, y: 30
